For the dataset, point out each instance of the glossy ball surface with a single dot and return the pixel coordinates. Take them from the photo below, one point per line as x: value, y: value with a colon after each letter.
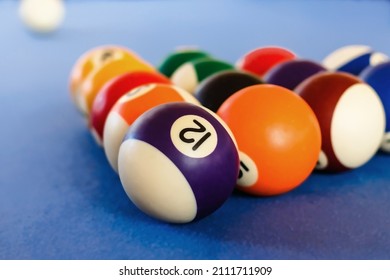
x: 190, y: 74
x: 87, y: 63
x: 353, y: 59
x: 214, y: 90
x: 278, y: 138
x: 291, y: 73
x: 177, y: 58
x: 105, y: 66
x: 130, y: 106
x: 112, y: 91
x: 260, y: 60
x: 178, y: 162
x: 351, y: 117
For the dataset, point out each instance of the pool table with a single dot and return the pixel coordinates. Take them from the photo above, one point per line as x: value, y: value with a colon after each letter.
x: 60, y: 199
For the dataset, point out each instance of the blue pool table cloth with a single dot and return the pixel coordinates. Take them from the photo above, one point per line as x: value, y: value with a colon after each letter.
x: 59, y: 198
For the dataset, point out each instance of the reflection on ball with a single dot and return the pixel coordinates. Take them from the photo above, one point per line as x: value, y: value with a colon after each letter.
x: 278, y: 137
x: 130, y: 106
x: 351, y: 117
x: 178, y: 162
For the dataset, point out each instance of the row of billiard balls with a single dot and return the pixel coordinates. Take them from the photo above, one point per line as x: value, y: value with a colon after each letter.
x: 181, y: 134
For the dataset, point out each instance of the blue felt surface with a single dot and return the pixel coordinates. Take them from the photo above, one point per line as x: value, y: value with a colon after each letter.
x: 59, y: 199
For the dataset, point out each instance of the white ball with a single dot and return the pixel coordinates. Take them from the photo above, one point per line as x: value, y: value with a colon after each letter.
x: 42, y: 16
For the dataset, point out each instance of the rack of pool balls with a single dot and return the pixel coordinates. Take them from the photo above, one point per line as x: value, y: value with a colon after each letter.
x: 183, y: 135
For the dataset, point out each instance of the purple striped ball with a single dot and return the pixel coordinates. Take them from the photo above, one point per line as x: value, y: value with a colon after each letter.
x: 178, y: 162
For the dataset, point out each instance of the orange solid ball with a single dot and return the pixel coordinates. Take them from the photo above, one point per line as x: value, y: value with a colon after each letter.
x: 278, y: 136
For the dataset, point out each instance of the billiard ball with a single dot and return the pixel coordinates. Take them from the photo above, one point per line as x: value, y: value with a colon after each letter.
x: 378, y: 77
x: 290, y: 73
x: 190, y: 74
x: 260, y: 60
x: 88, y: 62
x: 214, y: 90
x: 112, y: 91
x: 177, y: 58
x: 178, y: 162
x: 85, y: 64
x: 353, y: 59
x: 351, y: 117
x: 42, y: 16
x: 130, y: 106
x: 105, y: 64
x: 278, y: 138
